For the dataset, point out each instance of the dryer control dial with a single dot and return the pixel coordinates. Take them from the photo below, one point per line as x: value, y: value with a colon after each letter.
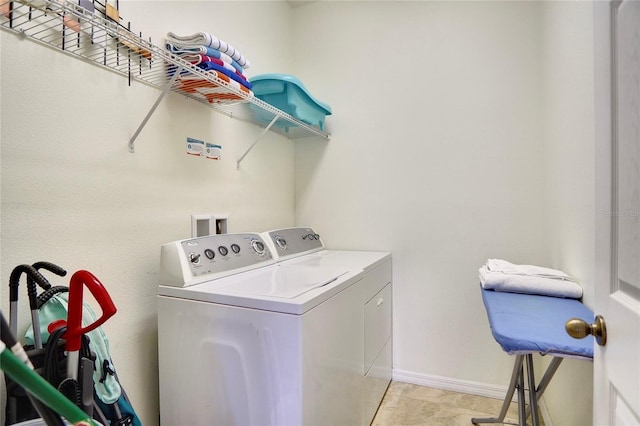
x: 280, y: 242
x: 194, y: 257
x: 258, y: 246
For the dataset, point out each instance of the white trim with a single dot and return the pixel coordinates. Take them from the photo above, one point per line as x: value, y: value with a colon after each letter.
x: 450, y: 384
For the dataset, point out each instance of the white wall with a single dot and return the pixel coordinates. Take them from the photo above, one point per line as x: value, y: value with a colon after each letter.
x: 462, y: 131
x: 569, y: 150
x: 436, y: 156
x: 72, y: 194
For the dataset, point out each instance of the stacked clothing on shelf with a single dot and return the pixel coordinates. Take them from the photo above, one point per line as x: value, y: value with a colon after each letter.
x: 213, y: 55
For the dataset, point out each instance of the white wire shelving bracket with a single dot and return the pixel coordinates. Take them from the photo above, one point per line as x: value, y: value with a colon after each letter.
x: 266, y: 129
x: 88, y: 35
x: 152, y: 110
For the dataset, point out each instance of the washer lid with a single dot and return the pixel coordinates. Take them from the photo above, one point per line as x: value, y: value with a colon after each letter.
x: 283, y: 281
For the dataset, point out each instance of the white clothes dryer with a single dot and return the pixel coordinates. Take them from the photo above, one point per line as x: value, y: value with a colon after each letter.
x: 250, y: 337
x: 302, y: 246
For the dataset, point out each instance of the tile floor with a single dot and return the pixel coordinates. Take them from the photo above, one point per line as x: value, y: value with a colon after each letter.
x: 407, y: 404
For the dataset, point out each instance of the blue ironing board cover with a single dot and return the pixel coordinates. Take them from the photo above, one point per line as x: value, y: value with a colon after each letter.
x: 527, y: 323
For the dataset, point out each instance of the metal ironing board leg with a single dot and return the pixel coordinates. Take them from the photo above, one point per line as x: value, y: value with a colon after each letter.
x: 535, y: 392
x: 517, y: 370
x: 533, y: 400
x: 546, y: 378
x: 522, y: 420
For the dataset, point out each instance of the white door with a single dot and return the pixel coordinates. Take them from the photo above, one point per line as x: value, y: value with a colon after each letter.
x: 617, y: 364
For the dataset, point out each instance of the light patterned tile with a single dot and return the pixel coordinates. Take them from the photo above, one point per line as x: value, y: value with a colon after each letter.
x: 406, y: 404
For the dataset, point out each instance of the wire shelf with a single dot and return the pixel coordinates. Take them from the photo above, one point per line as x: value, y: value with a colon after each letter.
x: 87, y: 35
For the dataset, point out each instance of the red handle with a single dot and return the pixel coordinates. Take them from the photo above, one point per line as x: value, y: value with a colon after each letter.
x: 74, y: 332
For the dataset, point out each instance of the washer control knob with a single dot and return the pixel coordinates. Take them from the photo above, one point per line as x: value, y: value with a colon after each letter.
x: 281, y: 242
x: 223, y: 250
x: 209, y: 253
x: 194, y: 257
x: 258, y: 247
x: 235, y: 248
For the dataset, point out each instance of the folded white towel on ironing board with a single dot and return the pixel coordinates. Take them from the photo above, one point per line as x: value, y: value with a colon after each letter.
x: 499, y: 265
x: 501, y: 275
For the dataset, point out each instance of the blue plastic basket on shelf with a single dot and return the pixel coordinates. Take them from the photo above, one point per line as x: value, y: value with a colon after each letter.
x: 288, y: 94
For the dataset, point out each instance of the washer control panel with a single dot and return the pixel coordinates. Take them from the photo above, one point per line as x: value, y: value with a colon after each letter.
x: 188, y: 262
x: 291, y: 242
x: 219, y: 253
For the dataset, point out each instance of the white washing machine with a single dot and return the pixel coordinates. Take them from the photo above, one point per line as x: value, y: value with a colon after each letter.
x: 272, y: 329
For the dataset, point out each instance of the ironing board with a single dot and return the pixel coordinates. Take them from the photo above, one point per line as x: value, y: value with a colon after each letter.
x: 525, y: 324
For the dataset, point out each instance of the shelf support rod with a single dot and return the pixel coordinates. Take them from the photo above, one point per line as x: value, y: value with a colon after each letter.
x: 153, y: 108
x: 266, y: 129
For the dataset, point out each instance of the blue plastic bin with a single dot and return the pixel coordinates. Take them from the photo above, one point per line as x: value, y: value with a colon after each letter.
x: 288, y: 94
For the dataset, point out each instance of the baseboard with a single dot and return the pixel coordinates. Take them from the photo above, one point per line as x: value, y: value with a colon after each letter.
x: 447, y: 383
x: 462, y: 386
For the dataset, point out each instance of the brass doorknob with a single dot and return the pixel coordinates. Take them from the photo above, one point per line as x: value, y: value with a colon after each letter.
x: 580, y: 329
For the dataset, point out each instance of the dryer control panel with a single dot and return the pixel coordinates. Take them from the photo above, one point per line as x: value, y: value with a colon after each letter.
x: 188, y: 262
x: 293, y: 242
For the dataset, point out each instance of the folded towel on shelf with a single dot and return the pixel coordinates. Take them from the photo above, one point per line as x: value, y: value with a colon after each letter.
x: 208, y: 51
x: 210, y: 91
x: 528, y: 279
x: 209, y: 40
x: 210, y: 66
x: 233, y: 83
x: 230, y: 75
x: 197, y: 58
